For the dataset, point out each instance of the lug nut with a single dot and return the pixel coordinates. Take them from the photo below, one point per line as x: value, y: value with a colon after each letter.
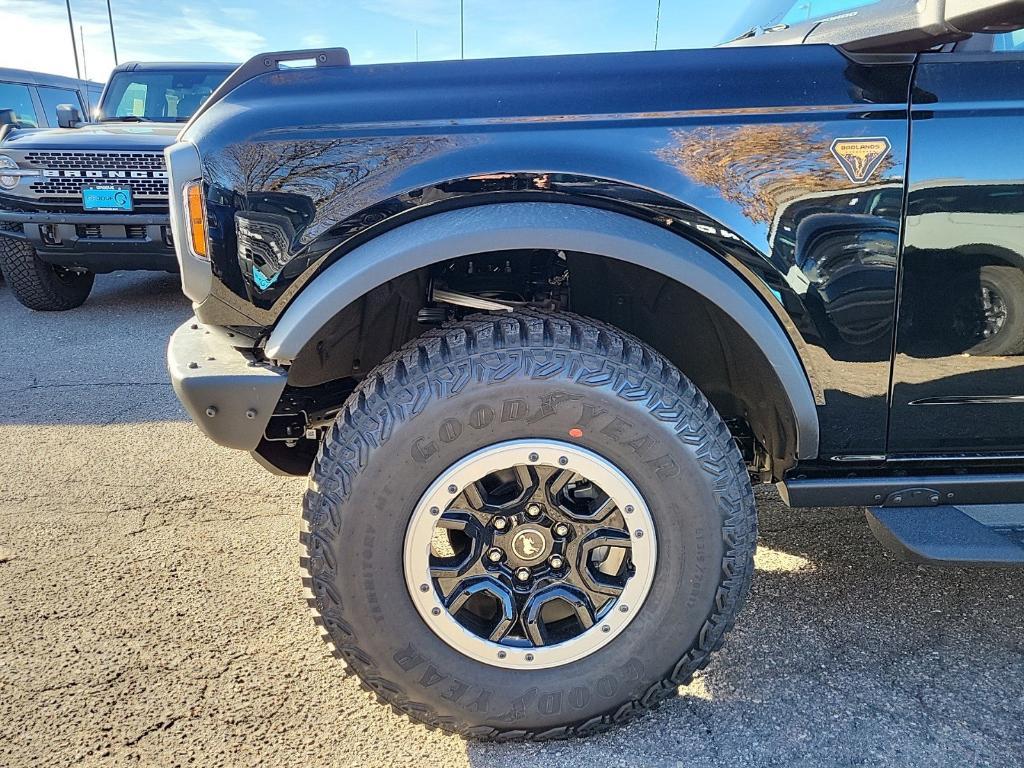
x: 523, y: 574
x: 495, y: 555
x: 500, y: 523
x: 556, y: 561
x: 561, y: 529
x: 533, y: 510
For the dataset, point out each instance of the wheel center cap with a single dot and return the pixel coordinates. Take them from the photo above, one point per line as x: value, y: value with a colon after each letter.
x: 529, y: 545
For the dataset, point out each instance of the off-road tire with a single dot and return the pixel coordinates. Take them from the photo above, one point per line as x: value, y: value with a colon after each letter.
x: 39, y: 285
x: 1008, y: 283
x: 413, y: 416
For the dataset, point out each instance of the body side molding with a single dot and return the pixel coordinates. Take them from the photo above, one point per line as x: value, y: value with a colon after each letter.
x: 513, y: 226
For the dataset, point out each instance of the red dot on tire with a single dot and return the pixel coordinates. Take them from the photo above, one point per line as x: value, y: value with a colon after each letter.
x: 575, y: 432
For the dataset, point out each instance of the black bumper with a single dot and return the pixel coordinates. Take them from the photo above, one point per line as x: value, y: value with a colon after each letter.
x: 102, y: 242
x: 226, y: 391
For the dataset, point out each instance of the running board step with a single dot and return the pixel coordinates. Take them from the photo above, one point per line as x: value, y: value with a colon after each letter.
x: 949, y: 535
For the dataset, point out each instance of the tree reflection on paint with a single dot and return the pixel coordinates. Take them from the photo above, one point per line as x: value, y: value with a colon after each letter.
x: 339, y: 176
x: 760, y: 167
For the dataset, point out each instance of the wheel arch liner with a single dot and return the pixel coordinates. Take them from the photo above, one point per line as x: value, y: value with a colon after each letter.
x: 513, y: 226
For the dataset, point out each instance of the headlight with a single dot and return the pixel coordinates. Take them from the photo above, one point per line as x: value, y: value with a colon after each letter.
x: 7, y: 182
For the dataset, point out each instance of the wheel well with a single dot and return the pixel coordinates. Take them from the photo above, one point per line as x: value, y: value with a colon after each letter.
x: 696, y: 335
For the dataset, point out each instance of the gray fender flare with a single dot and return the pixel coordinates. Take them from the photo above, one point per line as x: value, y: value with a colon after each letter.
x: 509, y: 226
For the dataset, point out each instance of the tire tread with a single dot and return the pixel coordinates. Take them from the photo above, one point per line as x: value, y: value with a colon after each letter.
x: 34, y: 282
x: 400, y: 388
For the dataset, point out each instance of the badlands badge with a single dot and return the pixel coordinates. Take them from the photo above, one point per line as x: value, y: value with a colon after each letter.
x: 860, y: 158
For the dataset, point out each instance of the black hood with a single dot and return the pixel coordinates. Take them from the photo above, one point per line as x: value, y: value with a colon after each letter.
x: 96, y: 136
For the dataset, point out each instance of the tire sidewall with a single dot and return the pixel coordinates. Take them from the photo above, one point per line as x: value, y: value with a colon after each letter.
x: 1007, y: 283
x: 676, y: 473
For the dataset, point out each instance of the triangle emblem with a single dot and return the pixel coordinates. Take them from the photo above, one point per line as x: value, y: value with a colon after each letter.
x: 860, y: 158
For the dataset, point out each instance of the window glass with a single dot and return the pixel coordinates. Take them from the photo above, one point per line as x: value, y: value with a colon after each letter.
x: 159, y: 95
x: 17, y: 97
x: 1010, y: 42
x: 132, y: 101
x: 804, y: 10
x: 53, y: 97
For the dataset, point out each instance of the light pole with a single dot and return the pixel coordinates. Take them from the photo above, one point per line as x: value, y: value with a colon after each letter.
x: 85, y: 63
x: 113, y: 42
x: 657, y: 23
x: 74, y: 45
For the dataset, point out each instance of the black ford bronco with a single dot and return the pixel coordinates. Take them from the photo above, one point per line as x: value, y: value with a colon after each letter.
x: 532, y: 325
x: 92, y: 197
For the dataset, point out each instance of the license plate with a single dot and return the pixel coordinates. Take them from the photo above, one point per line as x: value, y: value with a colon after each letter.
x: 107, y: 198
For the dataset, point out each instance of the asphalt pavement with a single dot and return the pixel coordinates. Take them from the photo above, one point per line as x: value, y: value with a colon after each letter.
x: 151, y: 611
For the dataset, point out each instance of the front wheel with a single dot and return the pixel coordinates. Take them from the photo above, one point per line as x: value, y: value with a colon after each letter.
x: 527, y: 526
x: 39, y: 285
x: 990, y: 314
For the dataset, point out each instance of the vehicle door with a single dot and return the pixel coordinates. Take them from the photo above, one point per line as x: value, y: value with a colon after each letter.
x: 18, y: 97
x: 958, y: 368
x: 52, y: 97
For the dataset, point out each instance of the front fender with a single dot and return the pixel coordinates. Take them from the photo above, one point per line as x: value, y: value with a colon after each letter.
x: 502, y: 226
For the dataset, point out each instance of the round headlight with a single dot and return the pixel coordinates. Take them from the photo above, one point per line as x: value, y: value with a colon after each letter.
x: 7, y: 182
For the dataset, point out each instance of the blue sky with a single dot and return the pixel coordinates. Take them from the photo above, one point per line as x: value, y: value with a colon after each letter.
x: 35, y: 32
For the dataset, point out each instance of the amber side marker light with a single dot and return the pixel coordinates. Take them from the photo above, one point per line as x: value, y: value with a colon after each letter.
x: 195, y: 208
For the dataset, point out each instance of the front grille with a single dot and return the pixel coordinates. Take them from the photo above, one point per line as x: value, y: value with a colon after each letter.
x: 73, y: 187
x: 89, y: 231
x: 65, y: 188
x: 111, y: 161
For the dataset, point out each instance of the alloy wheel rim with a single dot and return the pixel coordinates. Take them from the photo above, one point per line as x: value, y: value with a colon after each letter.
x: 530, y: 554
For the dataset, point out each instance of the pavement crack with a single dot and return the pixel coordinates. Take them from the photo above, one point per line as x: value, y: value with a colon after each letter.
x: 245, y: 518
x: 700, y: 710
x: 99, y: 684
x: 161, y: 725
x: 75, y: 384
x: 157, y: 505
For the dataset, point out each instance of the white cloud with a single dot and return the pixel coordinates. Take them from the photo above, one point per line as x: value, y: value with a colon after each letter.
x: 36, y: 36
x: 315, y: 41
x: 242, y: 14
x: 423, y: 13
x: 234, y: 43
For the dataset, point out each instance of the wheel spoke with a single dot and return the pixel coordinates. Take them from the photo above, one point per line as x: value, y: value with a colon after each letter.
x: 474, y: 496
x: 460, y: 562
x: 609, y: 586
x: 527, y: 480
x: 505, y: 613
x: 594, y: 579
x: 606, y: 537
x: 603, y: 509
x: 555, y: 483
x: 442, y: 570
x: 577, y: 600
x: 501, y: 629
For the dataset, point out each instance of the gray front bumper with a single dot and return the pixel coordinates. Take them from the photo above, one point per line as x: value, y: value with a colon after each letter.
x: 226, y: 391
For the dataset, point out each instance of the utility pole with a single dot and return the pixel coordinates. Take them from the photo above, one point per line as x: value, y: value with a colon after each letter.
x: 462, y: 28
x: 85, y: 64
x: 113, y: 42
x: 657, y: 24
x: 74, y: 45
x: 417, y: 45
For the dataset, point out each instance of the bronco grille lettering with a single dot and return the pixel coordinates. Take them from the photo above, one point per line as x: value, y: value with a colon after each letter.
x: 62, y: 173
